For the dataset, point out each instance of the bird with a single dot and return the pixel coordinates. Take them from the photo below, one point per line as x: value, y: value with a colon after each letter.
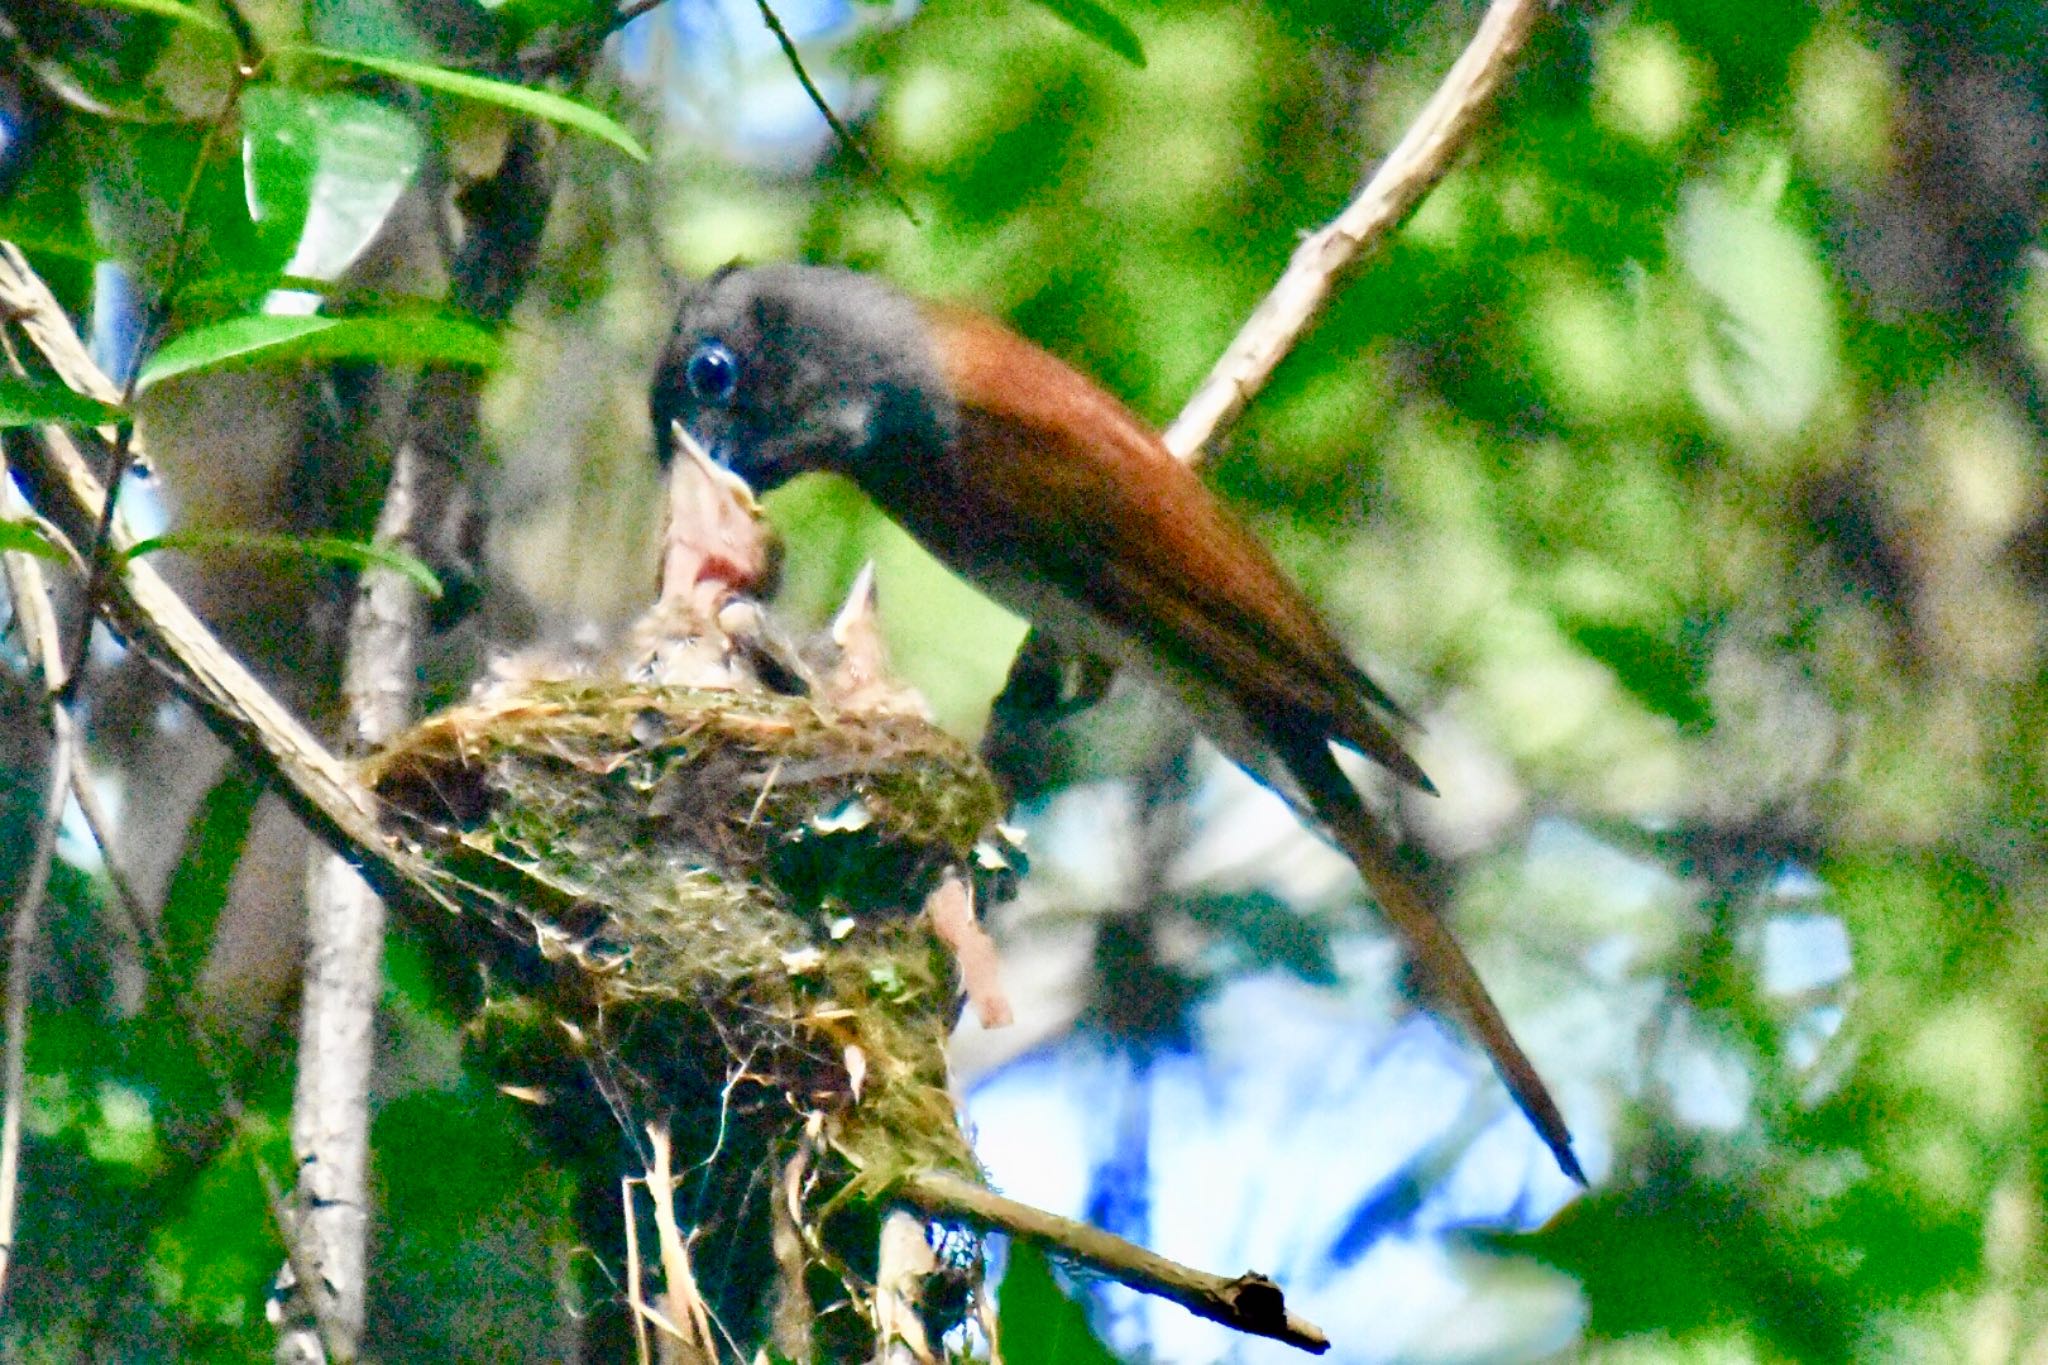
x: 1047, y: 493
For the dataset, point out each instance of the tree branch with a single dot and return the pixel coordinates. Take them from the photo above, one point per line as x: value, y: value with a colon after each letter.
x: 1419, y: 160
x: 344, y: 966
x: 1251, y: 1304
x: 155, y: 620
x: 31, y: 609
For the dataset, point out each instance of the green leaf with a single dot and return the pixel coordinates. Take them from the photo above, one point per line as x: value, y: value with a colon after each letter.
x: 1039, y: 1324
x: 322, y: 170
x: 540, y: 104
x: 165, y: 9
x: 360, y: 554
x: 271, y: 338
x: 30, y: 539
x: 245, y: 286
x: 1097, y: 22
x: 1666, y: 672
x: 26, y: 403
x: 149, y: 190
x: 198, y: 888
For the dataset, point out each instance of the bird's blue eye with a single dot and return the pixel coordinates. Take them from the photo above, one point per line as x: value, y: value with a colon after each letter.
x: 713, y: 372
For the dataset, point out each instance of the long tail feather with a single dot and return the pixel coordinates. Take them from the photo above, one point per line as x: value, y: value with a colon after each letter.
x: 1428, y: 940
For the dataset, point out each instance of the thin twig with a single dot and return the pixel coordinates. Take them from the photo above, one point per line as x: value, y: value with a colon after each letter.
x: 793, y: 1320
x: 1251, y: 1304
x: 846, y: 135
x: 154, y: 319
x: 36, y: 623
x: 227, y: 697
x: 634, y: 1299
x: 1418, y: 162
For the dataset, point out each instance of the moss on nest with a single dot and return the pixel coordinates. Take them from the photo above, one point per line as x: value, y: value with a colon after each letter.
x: 702, y: 907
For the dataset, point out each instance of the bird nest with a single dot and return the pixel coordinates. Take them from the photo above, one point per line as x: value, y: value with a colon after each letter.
x: 699, y: 914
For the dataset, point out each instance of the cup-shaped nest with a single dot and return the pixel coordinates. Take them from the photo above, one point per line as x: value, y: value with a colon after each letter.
x: 703, y: 909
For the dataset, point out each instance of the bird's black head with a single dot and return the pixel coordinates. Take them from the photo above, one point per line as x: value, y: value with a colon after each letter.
x: 781, y: 370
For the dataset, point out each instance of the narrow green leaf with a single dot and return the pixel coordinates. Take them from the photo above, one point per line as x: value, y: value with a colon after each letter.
x: 270, y: 338
x: 26, y: 403
x: 165, y: 9
x: 361, y: 554
x: 30, y: 539
x: 540, y: 104
x: 1097, y: 22
x: 198, y: 887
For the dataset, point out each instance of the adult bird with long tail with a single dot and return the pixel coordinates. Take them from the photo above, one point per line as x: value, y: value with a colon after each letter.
x: 1026, y: 477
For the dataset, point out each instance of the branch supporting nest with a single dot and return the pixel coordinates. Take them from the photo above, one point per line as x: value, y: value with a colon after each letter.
x: 1250, y: 1303
x: 150, y: 615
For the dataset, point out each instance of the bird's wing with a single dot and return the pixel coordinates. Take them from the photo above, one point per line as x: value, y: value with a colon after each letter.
x: 1133, y: 534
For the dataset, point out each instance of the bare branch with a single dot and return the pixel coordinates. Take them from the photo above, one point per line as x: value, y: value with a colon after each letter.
x: 345, y: 963
x: 692, y: 1340
x: 1251, y: 1304
x: 1417, y: 163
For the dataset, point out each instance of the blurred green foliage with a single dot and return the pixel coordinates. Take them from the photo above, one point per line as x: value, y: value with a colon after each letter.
x: 1681, y: 459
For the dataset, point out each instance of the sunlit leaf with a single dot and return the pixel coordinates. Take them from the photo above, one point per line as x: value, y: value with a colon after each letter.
x: 146, y: 193
x: 323, y: 170
x: 218, y: 1249
x: 277, y: 338
x: 29, y: 539
x: 1097, y: 22
x: 540, y: 104
x: 228, y: 286
x: 1770, y: 348
x: 359, y: 554
x: 25, y: 403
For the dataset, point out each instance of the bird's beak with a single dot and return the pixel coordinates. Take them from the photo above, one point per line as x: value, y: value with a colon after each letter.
x: 715, y: 537
x: 718, y: 471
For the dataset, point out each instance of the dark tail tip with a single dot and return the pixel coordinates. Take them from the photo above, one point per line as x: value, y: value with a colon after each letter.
x: 1542, y: 1114
x: 1568, y: 1161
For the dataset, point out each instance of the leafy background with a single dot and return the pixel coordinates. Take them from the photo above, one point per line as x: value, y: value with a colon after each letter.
x: 1679, y: 465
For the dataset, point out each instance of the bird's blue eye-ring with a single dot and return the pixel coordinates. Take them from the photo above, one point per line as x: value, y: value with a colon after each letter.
x: 713, y: 372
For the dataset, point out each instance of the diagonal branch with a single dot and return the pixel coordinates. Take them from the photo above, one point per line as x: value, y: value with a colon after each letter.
x: 1419, y: 160
x: 153, y: 618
